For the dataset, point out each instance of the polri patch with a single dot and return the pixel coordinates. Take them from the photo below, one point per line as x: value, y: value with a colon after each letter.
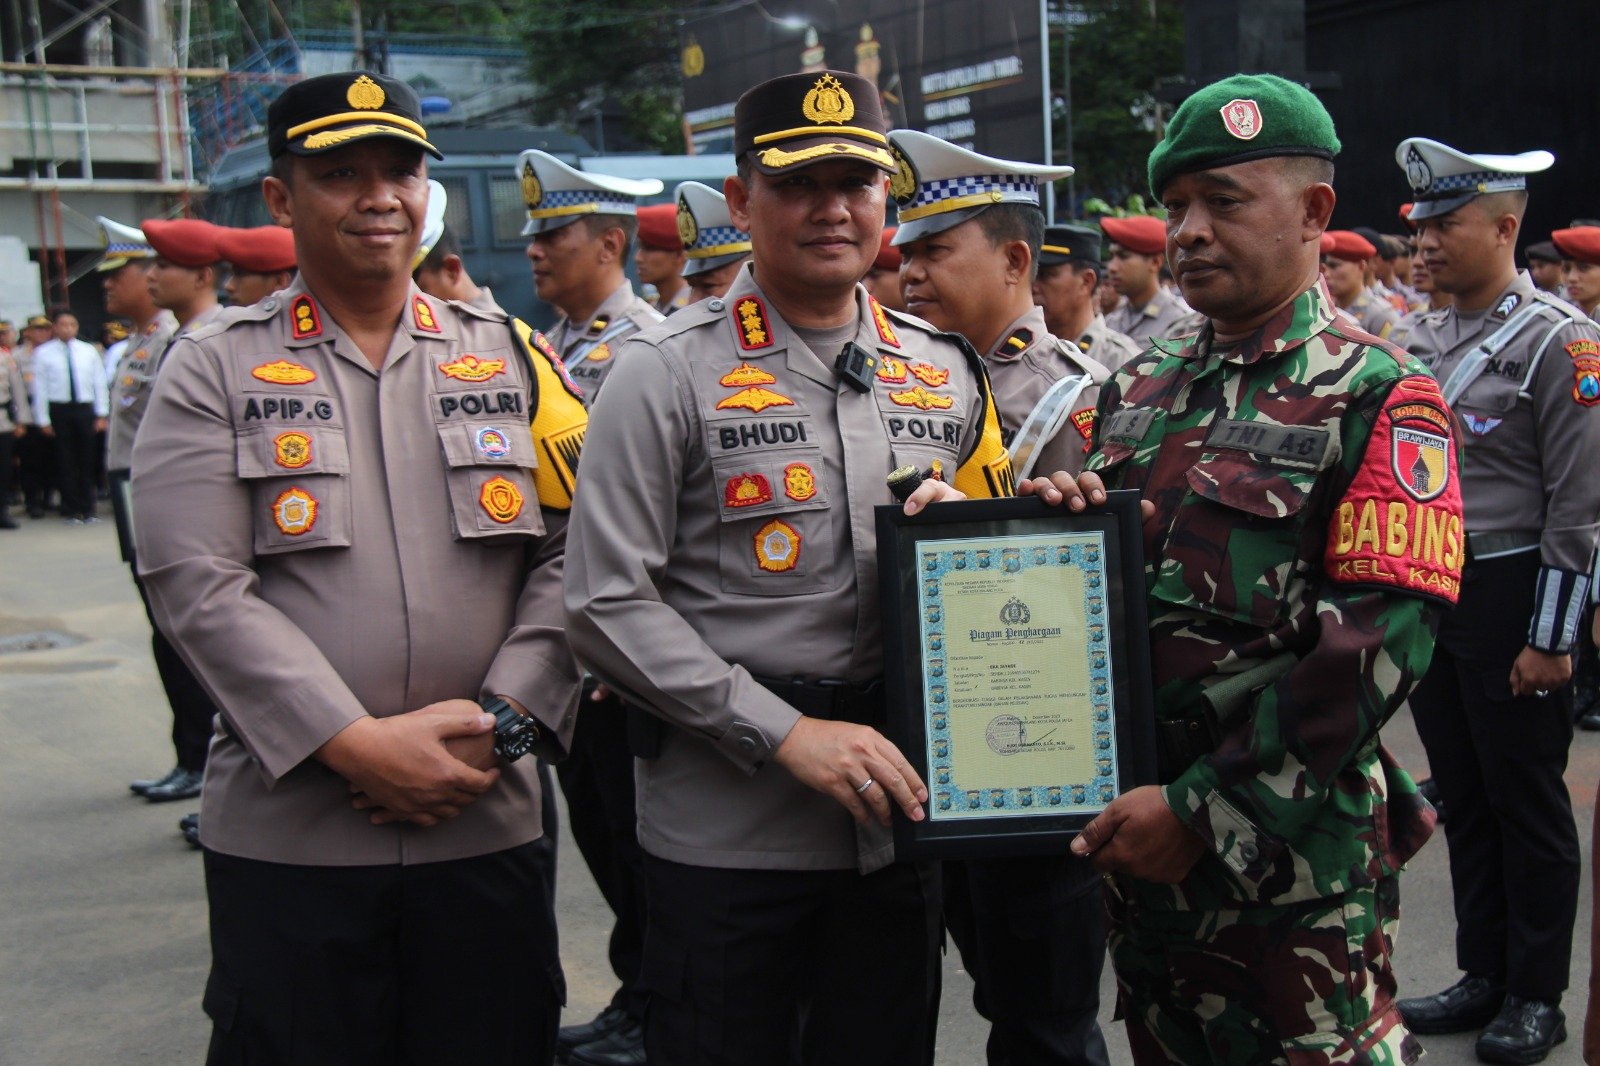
x: 744, y: 375
x: 492, y: 442
x: 283, y: 372
x: 1295, y: 445
x: 294, y: 512
x: 751, y: 317
x: 291, y: 450
x: 754, y: 399
x: 471, y: 368
x: 880, y: 319
x: 929, y: 374
x: 747, y: 490
x: 777, y: 547
x: 422, y: 314
x: 304, y: 320
x: 1083, y: 422
x: 501, y: 500
x: 799, y: 483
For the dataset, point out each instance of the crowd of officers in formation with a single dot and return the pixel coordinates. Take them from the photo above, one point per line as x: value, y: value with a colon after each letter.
x: 385, y: 605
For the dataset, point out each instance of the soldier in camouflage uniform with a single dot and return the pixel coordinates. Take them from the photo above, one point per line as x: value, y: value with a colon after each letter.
x: 1303, y: 527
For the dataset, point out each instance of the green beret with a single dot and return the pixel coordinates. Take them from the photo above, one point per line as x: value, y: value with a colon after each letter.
x: 1237, y: 119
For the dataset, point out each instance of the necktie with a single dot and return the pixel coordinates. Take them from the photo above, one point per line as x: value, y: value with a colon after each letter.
x: 72, y: 374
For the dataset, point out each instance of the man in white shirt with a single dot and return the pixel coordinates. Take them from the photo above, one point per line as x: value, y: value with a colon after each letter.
x: 71, y: 405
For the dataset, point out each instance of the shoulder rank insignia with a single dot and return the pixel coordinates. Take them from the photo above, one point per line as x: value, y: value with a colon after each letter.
x: 304, y: 319
x: 501, y: 500
x: 283, y: 372
x: 754, y: 332
x: 745, y: 375
x: 921, y: 399
x: 599, y: 324
x: 600, y: 353
x: 929, y: 374
x: 1508, y: 305
x: 747, y: 490
x: 881, y: 320
x: 892, y: 372
x: 799, y: 483
x: 291, y: 450
x: 294, y: 512
x: 471, y: 368
x: 777, y: 547
x: 758, y: 400
x: 422, y: 313
x: 1017, y: 343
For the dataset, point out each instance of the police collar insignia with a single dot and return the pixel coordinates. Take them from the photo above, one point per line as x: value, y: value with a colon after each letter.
x: 599, y: 324
x: 422, y: 313
x: 304, y: 319
x: 880, y: 318
x: 1017, y: 343
x: 1504, y: 308
x: 750, y: 315
x: 471, y: 368
x: 283, y: 372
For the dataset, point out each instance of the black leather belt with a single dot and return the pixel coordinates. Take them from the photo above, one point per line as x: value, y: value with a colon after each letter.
x: 837, y: 701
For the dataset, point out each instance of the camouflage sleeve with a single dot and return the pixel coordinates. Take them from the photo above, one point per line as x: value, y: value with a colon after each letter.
x: 1393, y: 554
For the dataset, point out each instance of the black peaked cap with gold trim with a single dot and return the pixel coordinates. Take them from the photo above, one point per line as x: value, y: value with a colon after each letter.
x: 802, y: 119
x: 333, y: 110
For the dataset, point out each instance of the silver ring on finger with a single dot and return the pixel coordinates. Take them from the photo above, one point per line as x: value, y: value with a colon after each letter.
x: 1541, y: 692
x: 862, y: 788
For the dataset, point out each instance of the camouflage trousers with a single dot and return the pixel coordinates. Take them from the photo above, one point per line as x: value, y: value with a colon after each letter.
x: 1308, y: 983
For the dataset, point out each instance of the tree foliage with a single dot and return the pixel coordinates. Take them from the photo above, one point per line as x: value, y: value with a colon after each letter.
x: 1119, y: 55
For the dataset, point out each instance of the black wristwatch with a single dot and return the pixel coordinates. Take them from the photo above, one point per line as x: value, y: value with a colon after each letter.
x: 514, y: 734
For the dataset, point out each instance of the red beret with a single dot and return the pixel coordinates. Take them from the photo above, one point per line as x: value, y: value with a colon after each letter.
x: 1405, y: 213
x: 658, y: 227
x: 262, y: 250
x: 1351, y: 247
x: 1329, y: 243
x: 1142, y: 234
x: 888, y: 254
x: 185, y: 242
x: 1580, y: 242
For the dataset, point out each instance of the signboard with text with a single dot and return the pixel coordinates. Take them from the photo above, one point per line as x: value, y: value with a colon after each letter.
x: 972, y: 74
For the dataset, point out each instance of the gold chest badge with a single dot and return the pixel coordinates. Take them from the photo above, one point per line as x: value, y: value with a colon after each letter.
x: 283, y: 372
x: 921, y: 399
x: 929, y: 374
x: 291, y: 450
x: 799, y: 483
x: 757, y: 400
x: 892, y: 372
x: 744, y: 375
x: 471, y: 368
x: 777, y: 547
x: 294, y: 512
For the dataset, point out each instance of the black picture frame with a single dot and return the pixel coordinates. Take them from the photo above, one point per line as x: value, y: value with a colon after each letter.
x: 909, y: 725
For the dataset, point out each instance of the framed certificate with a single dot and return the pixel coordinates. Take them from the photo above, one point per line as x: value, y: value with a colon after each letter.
x: 1017, y: 668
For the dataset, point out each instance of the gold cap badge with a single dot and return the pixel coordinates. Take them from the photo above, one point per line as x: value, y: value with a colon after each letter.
x: 828, y: 102
x: 532, y: 191
x: 688, y: 228
x: 903, y: 184
x: 365, y: 94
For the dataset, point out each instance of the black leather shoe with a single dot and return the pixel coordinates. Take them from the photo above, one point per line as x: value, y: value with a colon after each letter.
x: 191, y: 833
x: 1590, y: 722
x: 189, y: 821
x: 139, y: 788
x: 1524, y: 1031
x: 184, y: 785
x: 1470, y: 1003
x: 605, y: 1023
x: 623, y: 1046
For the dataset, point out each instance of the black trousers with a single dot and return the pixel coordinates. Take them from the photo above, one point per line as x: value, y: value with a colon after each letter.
x: 597, y: 780
x: 75, y: 463
x: 785, y: 967
x: 8, y: 466
x: 1032, y: 933
x: 1498, y: 760
x: 36, y: 468
x: 448, y: 962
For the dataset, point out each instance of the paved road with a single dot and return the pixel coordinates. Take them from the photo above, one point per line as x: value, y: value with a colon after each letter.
x: 103, y: 950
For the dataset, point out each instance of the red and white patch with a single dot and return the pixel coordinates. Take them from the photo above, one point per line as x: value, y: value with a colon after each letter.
x: 1399, y: 523
x: 1242, y: 118
x: 1083, y: 422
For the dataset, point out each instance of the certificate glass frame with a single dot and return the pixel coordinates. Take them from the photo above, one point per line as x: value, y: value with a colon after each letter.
x: 1017, y: 669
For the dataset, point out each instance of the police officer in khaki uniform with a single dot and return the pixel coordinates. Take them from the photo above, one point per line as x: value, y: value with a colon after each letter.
x: 1031, y: 930
x: 722, y: 576
x: 1138, y: 253
x: 349, y: 504
x: 1522, y: 371
x: 582, y: 225
x: 714, y: 247
x: 1070, y: 272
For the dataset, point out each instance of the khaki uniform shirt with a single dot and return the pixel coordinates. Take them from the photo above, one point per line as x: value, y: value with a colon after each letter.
x: 1164, y: 316
x: 1376, y: 316
x: 1106, y: 346
x: 15, y: 410
x: 133, y: 379
x: 590, y: 353
x: 1024, y: 366
x: 322, y: 541
x: 724, y: 528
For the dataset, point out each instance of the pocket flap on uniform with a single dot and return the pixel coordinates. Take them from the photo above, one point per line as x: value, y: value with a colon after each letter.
x: 316, y: 449
x: 750, y: 485
x: 505, y: 442
x: 1252, y: 486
